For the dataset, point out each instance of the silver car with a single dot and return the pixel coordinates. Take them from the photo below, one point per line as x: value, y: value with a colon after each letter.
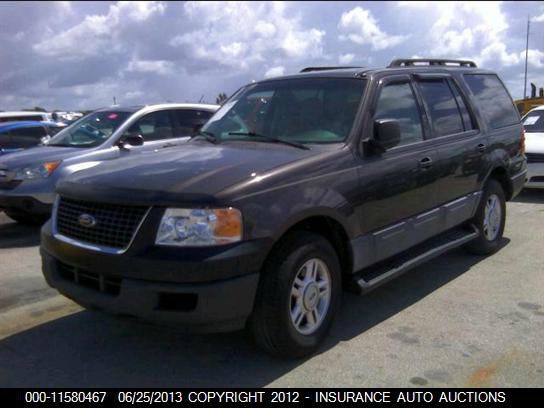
x: 28, y: 178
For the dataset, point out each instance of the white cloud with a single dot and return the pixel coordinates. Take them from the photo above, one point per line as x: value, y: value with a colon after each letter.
x: 475, y: 30
x: 97, y: 34
x: 359, y: 26
x: 538, y: 19
x: 534, y: 58
x: 274, y: 72
x: 149, y: 66
x: 241, y: 34
x: 346, y: 58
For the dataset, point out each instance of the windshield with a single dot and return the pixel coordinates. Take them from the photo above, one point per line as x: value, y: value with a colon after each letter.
x: 309, y: 110
x: 90, y: 131
x: 534, y: 121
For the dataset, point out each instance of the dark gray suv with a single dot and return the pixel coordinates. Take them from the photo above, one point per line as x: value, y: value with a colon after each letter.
x: 296, y: 188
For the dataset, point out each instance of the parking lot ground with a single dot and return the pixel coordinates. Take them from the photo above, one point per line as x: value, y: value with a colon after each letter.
x: 459, y: 320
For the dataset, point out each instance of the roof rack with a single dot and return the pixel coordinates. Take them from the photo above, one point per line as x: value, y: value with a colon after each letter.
x: 310, y: 69
x: 431, y: 62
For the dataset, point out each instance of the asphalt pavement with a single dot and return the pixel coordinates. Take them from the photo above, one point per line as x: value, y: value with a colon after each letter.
x: 459, y: 320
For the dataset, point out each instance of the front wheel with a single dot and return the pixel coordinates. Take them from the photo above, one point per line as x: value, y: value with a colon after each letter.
x: 490, y: 219
x: 298, y: 296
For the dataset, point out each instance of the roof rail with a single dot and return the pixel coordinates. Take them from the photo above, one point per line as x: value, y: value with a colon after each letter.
x: 431, y: 62
x: 310, y: 69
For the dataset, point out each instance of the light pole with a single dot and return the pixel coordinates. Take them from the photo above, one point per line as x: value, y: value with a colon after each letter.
x: 526, y: 56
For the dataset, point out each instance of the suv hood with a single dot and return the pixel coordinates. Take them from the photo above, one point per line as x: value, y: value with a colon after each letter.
x: 38, y: 155
x: 195, y: 172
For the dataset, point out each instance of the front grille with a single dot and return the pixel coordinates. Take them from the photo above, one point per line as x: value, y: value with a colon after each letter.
x: 535, y: 157
x: 89, y: 280
x: 114, y: 227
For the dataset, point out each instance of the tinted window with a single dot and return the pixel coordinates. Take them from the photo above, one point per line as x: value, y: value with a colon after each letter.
x: 534, y: 121
x: 32, y: 132
x: 309, y: 110
x: 493, y: 100
x: 90, y: 131
x: 468, y: 120
x: 186, y: 121
x: 397, y: 101
x: 442, y: 107
x: 53, y: 130
x: 35, y: 118
x: 154, y: 126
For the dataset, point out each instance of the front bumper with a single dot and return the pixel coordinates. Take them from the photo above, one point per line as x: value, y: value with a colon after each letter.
x: 24, y: 204
x: 205, y: 290
x: 30, y: 197
x: 535, y: 175
x: 517, y: 182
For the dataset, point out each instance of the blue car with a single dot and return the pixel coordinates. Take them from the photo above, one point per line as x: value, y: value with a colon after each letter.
x: 22, y: 135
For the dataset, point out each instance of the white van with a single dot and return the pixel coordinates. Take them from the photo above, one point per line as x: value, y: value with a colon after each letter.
x: 23, y: 115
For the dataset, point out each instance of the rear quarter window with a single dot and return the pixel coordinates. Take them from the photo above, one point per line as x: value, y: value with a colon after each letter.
x: 493, y: 99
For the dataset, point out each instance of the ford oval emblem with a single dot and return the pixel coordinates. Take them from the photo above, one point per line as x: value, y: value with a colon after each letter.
x: 86, y: 220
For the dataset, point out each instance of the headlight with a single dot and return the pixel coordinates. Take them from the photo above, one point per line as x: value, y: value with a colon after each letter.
x: 41, y: 171
x: 199, y: 227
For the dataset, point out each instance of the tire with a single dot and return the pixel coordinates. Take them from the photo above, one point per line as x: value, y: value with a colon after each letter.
x: 26, y: 219
x: 271, y: 323
x: 488, y: 242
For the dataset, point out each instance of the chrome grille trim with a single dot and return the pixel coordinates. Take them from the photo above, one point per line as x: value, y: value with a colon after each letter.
x: 90, y: 245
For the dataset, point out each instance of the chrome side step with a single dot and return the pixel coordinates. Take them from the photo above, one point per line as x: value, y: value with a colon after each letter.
x: 375, y: 276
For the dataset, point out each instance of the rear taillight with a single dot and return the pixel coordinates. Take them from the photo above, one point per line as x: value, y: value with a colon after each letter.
x: 522, y: 142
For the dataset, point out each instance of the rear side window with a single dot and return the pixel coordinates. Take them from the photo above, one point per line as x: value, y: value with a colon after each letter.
x: 442, y: 106
x: 534, y: 121
x: 188, y: 120
x: 397, y: 101
x: 154, y: 126
x: 493, y: 99
x: 34, y: 118
x: 32, y: 132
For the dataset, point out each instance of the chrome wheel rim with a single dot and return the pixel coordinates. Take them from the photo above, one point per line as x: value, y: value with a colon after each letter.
x: 492, y: 217
x: 310, y: 296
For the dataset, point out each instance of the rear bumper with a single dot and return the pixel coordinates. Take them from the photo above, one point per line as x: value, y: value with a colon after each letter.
x: 535, y: 175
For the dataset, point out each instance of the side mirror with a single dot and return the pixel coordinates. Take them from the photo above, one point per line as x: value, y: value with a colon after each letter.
x: 386, y: 134
x: 131, y: 140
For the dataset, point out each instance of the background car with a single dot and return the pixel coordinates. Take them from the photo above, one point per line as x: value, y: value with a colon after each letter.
x: 25, y: 115
x: 28, y: 178
x: 22, y: 135
x: 533, y: 123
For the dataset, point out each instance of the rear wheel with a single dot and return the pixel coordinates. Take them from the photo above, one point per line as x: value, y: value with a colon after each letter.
x: 490, y: 219
x: 298, y: 296
x: 25, y: 218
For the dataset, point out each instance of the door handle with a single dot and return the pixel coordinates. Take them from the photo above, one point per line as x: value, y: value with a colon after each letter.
x: 426, y: 163
x: 481, y: 148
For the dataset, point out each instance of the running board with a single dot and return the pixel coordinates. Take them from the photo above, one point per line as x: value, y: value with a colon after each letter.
x: 375, y: 276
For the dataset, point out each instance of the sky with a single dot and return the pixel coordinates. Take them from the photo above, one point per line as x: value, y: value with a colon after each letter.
x: 79, y: 55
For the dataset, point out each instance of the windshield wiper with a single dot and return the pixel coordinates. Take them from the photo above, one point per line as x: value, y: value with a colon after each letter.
x: 209, y: 136
x: 271, y: 139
